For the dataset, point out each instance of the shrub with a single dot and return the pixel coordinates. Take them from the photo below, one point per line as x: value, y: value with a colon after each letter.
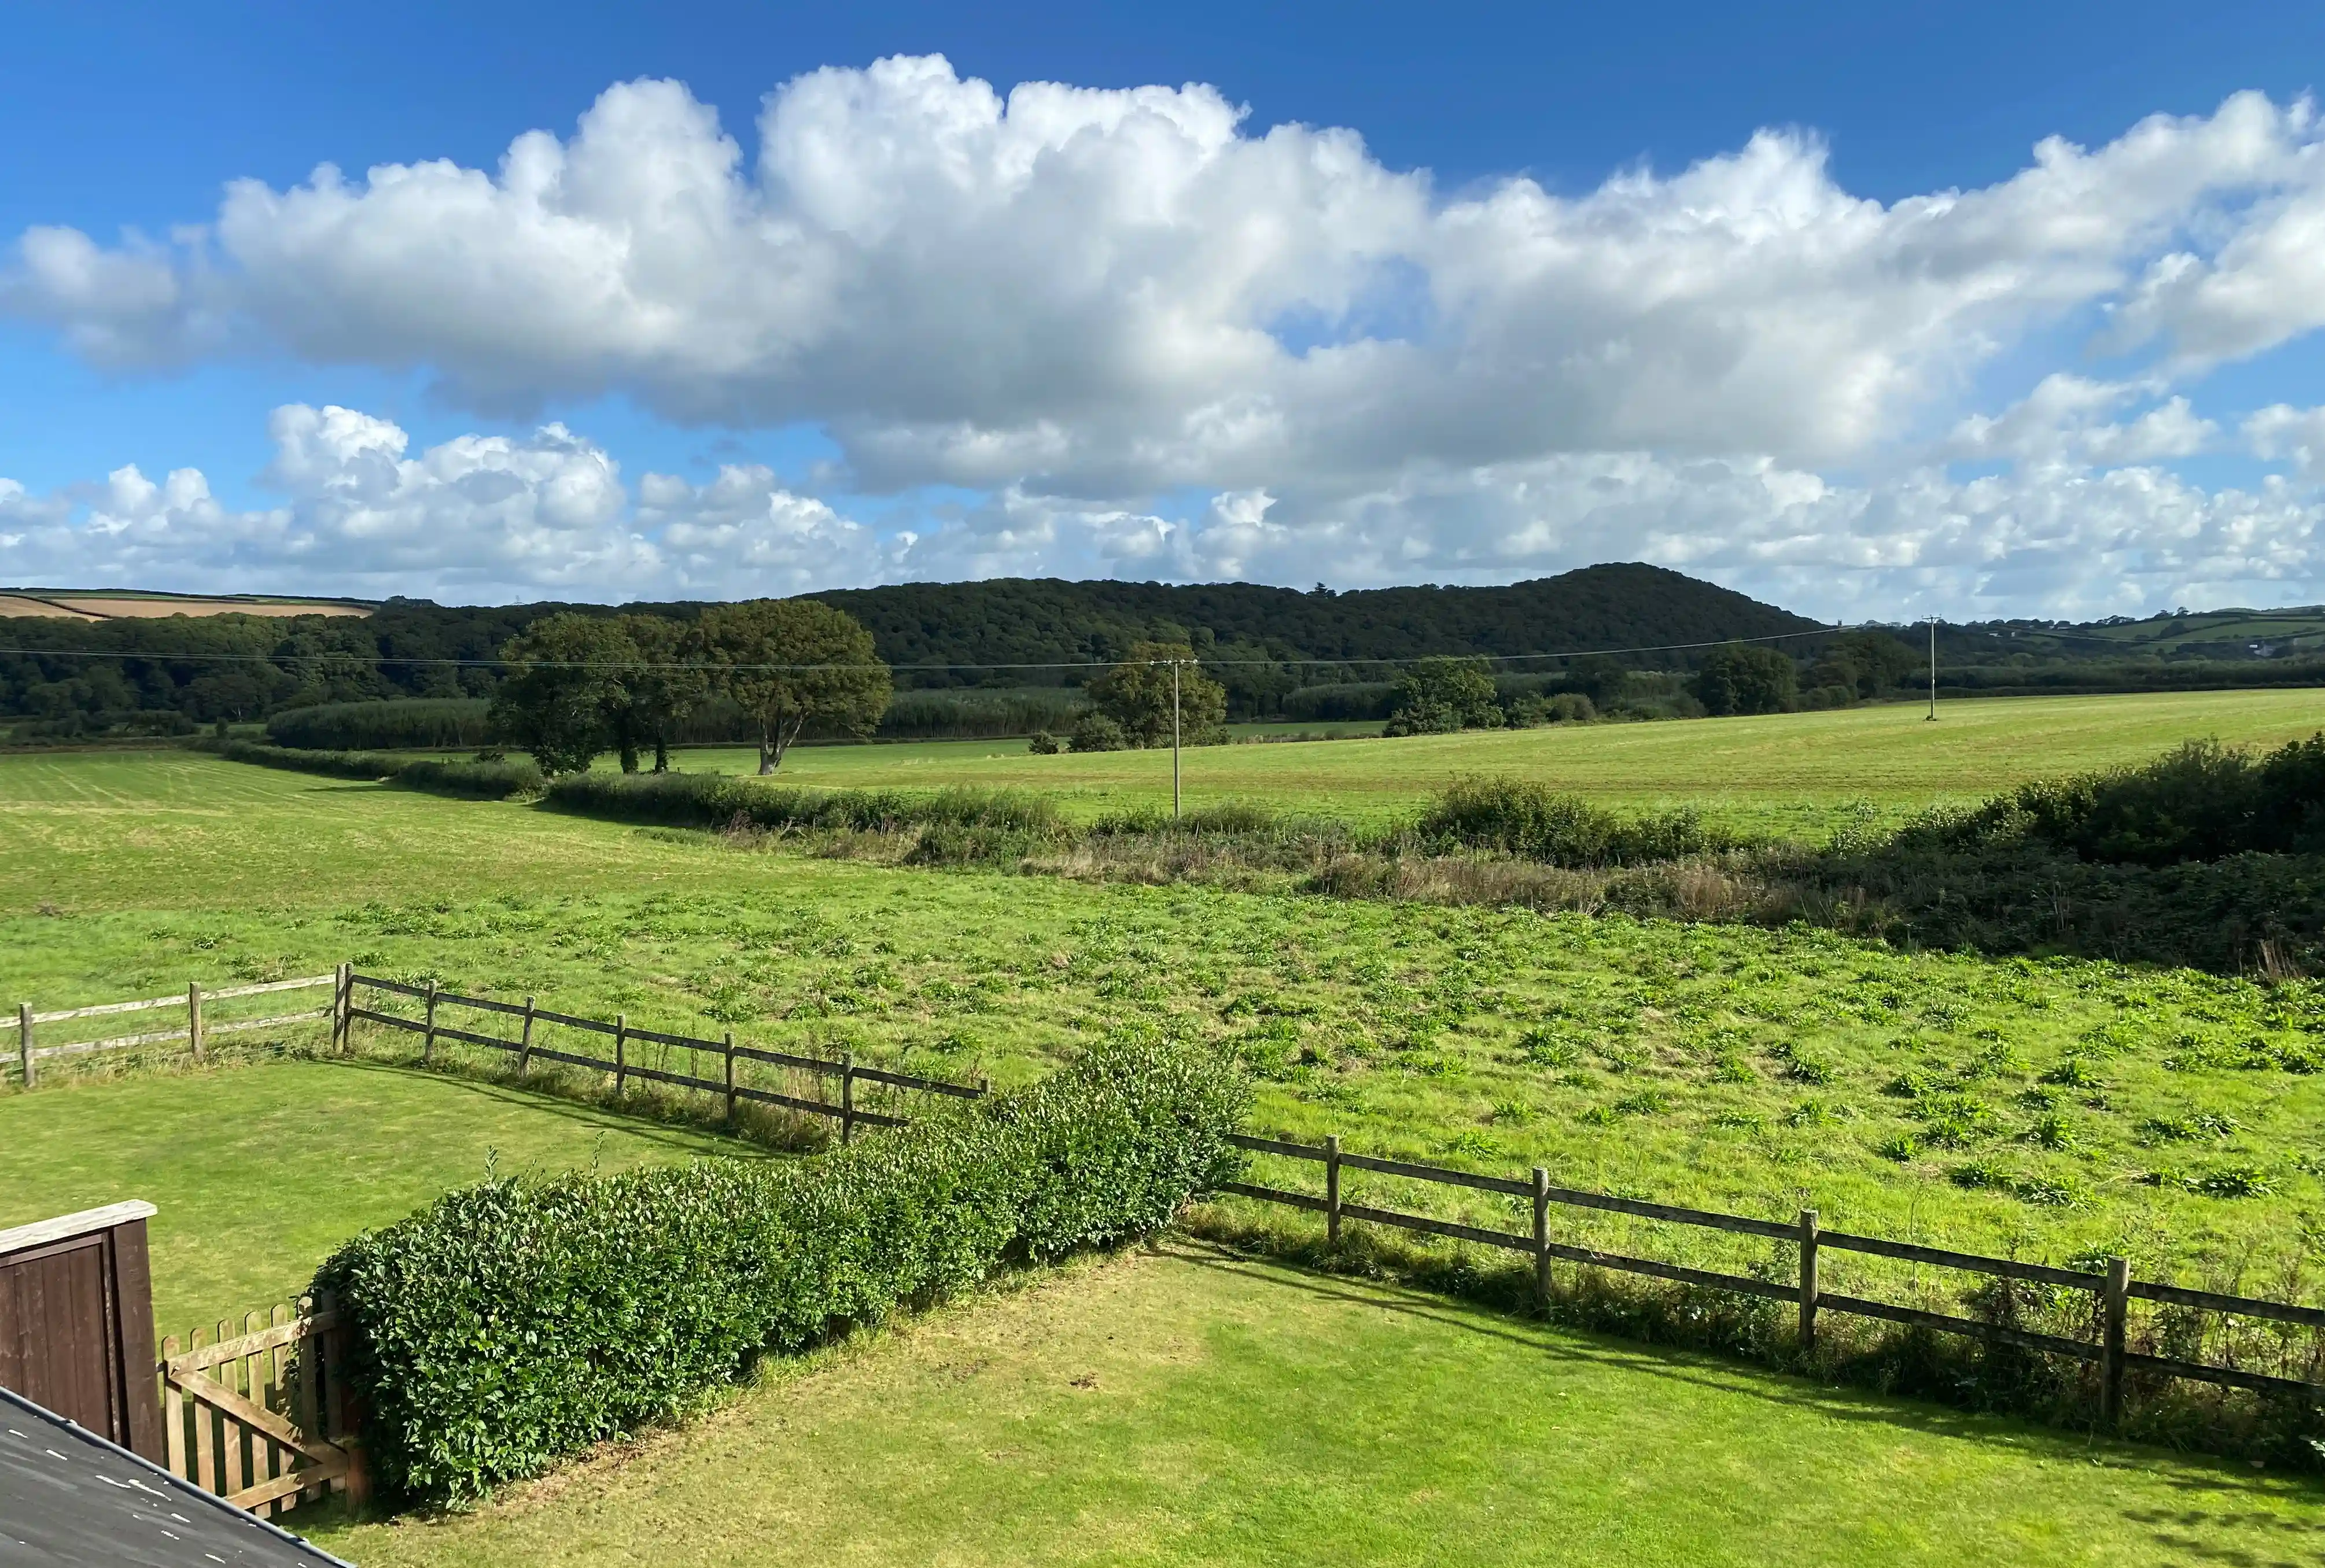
x: 2201, y: 801
x: 722, y: 801
x: 1041, y: 744
x: 1521, y: 817
x: 1095, y: 732
x: 402, y: 723
x: 514, y: 1322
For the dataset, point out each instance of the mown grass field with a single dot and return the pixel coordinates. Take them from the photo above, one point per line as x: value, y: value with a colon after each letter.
x: 2099, y: 1108
x: 1788, y: 773
x: 260, y: 1171
x: 1189, y: 1407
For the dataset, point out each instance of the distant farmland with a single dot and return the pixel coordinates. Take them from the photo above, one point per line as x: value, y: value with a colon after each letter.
x: 117, y: 604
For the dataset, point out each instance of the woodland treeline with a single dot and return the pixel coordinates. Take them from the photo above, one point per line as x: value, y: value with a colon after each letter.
x: 1013, y: 656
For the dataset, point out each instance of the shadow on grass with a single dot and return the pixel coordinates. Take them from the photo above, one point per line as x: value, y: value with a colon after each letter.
x: 641, y: 1125
x: 2191, y: 1474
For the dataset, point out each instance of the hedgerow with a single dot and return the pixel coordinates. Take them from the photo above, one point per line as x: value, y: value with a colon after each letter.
x: 719, y: 800
x: 1520, y: 817
x: 396, y: 723
x: 517, y: 1321
x: 473, y: 780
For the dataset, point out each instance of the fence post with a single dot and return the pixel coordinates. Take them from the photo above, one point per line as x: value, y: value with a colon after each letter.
x: 524, y: 1042
x: 1808, y: 1279
x: 730, y: 1077
x: 1332, y: 1190
x: 1542, y: 1239
x: 194, y: 1016
x: 847, y: 1097
x: 2118, y: 1309
x: 24, y: 1039
x: 343, y: 996
x: 428, y: 1039
x: 621, y: 1054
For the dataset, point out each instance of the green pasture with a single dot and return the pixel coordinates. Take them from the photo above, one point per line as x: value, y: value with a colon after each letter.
x: 2097, y: 1107
x: 1185, y: 1407
x: 258, y: 1172
x: 1790, y: 773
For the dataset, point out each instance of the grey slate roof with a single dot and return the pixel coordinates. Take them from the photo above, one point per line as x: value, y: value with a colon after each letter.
x: 68, y: 1497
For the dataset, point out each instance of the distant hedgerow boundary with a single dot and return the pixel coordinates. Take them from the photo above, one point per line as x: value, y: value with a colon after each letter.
x: 2206, y: 856
x: 516, y: 1321
x: 469, y: 781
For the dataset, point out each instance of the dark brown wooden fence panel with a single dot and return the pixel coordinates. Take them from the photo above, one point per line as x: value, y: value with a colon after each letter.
x: 77, y: 1322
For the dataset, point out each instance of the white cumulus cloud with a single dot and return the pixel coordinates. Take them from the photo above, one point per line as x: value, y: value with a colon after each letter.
x: 1106, y: 293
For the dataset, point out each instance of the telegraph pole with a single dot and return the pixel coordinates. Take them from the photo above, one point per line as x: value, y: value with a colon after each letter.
x: 1174, y: 740
x: 1933, y: 670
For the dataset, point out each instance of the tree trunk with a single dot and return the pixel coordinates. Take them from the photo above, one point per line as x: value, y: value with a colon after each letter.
x: 661, y: 754
x: 771, y: 755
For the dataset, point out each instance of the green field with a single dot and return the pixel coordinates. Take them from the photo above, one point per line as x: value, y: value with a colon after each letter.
x: 1778, y: 773
x: 1723, y: 1066
x: 1188, y: 1407
x: 1184, y: 1407
x: 260, y: 1171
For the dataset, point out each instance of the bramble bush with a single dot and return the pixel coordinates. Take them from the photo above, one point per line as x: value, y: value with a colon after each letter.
x: 518, y: 1320
x: 1518, y: 816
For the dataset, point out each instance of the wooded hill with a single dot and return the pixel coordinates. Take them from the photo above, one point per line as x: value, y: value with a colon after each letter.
x: 1314, y: 655
x: 1025, y: 620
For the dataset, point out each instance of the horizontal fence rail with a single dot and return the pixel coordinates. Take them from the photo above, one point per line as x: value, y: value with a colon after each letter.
x: 2113, y: 1291
x: 192, y: 1033
x: 623, y: 1066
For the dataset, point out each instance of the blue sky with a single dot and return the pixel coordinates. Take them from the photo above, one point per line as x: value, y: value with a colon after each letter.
x: 1559, y: 306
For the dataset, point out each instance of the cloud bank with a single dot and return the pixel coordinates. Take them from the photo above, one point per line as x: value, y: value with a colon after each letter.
x: 1080, y: 304
x: 488, y: 518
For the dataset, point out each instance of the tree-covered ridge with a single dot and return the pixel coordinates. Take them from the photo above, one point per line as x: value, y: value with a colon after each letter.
x: 1020, y: 620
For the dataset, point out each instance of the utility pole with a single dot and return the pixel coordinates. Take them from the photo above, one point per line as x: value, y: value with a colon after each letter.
x: 1933, y: 670
x: 1174, y: 740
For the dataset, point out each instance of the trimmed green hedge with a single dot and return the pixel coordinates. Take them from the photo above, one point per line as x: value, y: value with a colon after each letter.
x: 470, y: 781
x: 720, y: 800
x: 397, y: 723
x: 517, y: 1321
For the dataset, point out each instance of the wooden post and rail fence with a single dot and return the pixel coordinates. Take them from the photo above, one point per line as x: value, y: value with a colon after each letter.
x: 624, y: 1065
x: 260, y: 1414
x: 193, y: 1034
x: 2113, y: 1290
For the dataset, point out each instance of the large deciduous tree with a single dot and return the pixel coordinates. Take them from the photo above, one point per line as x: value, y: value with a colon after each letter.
x: 669, y: 681
x: 790, y: 663
x: 564, y: 687
x: 1746, y: 680
x: 1437, y: 695
x: 1136, y: 694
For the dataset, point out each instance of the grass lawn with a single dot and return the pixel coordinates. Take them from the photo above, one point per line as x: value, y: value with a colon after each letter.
x: 260, y: 1171
x: 1782, y: 773
x: 1188, y: 1407
x: 1723, y: 1066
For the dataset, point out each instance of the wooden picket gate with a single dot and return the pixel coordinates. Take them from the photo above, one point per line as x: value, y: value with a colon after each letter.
x: 261, y: 1416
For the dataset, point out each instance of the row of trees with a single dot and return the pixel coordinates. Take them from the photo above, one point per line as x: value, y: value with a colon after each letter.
x: 1158, y: 692
x: 1848, y: 668
x: 585, y: 684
